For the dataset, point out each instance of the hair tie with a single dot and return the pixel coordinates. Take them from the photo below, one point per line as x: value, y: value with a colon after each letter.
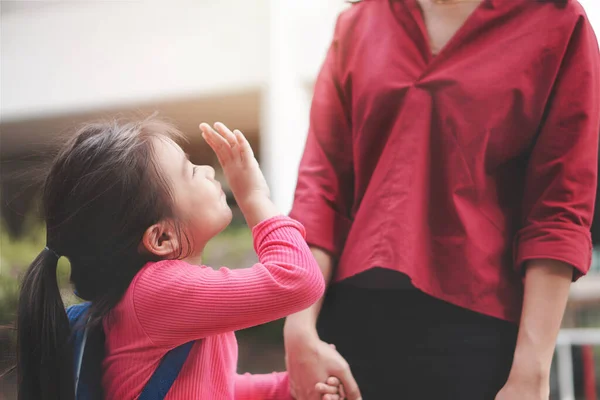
x: 55, y: 254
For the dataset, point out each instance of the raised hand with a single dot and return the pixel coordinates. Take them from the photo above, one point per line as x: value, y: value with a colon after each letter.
x: 241, y: 169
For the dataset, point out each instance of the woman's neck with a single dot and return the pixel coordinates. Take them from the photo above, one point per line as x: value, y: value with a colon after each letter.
x: 443, y: 18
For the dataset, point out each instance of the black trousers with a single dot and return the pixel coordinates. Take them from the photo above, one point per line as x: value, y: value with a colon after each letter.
x: 404, y: 344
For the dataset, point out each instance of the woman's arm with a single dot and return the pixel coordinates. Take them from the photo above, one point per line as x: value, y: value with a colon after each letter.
x: 303, y: 324
x: 554, y: 245
x: 309, y: 359
x: 323, y: 201
x: 547, y: 285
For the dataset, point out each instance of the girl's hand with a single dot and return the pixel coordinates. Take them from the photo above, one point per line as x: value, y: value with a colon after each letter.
x: 241, y: 169
x: 237, y: 159
x: 331, y: 389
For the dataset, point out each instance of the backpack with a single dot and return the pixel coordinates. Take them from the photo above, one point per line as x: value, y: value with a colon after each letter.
x: 88, y: 346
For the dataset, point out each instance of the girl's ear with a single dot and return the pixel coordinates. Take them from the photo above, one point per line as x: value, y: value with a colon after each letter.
x: 161, y: 240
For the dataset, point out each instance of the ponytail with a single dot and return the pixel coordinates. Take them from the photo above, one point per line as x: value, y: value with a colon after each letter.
x: 44, y: 354
x: 101, y: 193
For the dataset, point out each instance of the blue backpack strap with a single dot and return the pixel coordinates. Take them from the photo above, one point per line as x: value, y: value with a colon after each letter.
x: 163, y: 378
x: 76, y: 311
x: 76, y: 314
x: 160, y: 382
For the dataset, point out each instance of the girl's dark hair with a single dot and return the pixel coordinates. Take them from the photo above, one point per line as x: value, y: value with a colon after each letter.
x: 103, y: 190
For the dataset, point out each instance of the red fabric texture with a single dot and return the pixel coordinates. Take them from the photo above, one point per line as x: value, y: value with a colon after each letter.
x: 455, y: 170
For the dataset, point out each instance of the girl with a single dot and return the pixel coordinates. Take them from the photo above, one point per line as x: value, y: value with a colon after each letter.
x: 125, y: 205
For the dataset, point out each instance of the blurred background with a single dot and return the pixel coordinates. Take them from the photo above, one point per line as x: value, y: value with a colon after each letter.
x: 249, y: 64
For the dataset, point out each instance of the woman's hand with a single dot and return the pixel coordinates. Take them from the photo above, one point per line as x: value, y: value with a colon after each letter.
x: 309, y: 361
x: 241, y: 169
x: 547, y: 284
x: 525, y: 387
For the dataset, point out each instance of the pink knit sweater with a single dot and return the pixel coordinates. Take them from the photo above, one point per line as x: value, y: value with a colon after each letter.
x: 172, y: 302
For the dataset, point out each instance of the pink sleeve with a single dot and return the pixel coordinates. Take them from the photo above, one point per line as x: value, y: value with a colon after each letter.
x: 275, y: 386
x: 176, y: 302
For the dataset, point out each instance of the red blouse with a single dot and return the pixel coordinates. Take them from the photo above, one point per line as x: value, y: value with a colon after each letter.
x: 457, y: 169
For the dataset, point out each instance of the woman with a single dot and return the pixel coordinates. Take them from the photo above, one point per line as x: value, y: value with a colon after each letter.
x: 447, y: 188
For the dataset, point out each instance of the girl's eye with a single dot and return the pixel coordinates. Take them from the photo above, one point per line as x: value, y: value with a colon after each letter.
x: 194, y: 171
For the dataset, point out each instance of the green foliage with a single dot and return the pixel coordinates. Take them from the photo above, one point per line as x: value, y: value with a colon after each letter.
x: 232, y: 248
x: 15, y: 256
x: 9, y: 292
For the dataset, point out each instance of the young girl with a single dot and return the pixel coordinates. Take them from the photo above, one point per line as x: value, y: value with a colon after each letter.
x: 125, y: 205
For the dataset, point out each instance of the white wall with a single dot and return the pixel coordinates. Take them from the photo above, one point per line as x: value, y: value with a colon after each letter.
x: 63, y: 58
x: 78, y: 56
x: 59, y: 57
x: 68, y: 57
x: 300, y: 32
x: 592, y: 8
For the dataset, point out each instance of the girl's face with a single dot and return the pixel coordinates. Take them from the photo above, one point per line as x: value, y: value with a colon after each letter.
x: 200, y: 203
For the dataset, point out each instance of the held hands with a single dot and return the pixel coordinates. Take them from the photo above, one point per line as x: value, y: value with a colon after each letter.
x: 251, y: 192
x: 311, y: 360
x: 241, y: 169
x: 331, y: 389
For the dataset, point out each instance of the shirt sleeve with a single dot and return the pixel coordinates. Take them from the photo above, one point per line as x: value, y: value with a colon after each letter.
x: 561, y: 180
x: 324, y: 191
x: 275, y: 386
x: 176, y: 302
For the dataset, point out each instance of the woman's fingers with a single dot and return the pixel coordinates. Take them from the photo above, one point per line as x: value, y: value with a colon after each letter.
x: 350, y: 387
x: 342, y: 392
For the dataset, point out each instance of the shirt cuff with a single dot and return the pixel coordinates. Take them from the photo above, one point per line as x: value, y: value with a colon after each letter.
x: 266, y: 228
x: 558, y: 241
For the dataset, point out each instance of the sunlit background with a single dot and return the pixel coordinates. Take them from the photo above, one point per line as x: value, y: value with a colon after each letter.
x: 250, y: 64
